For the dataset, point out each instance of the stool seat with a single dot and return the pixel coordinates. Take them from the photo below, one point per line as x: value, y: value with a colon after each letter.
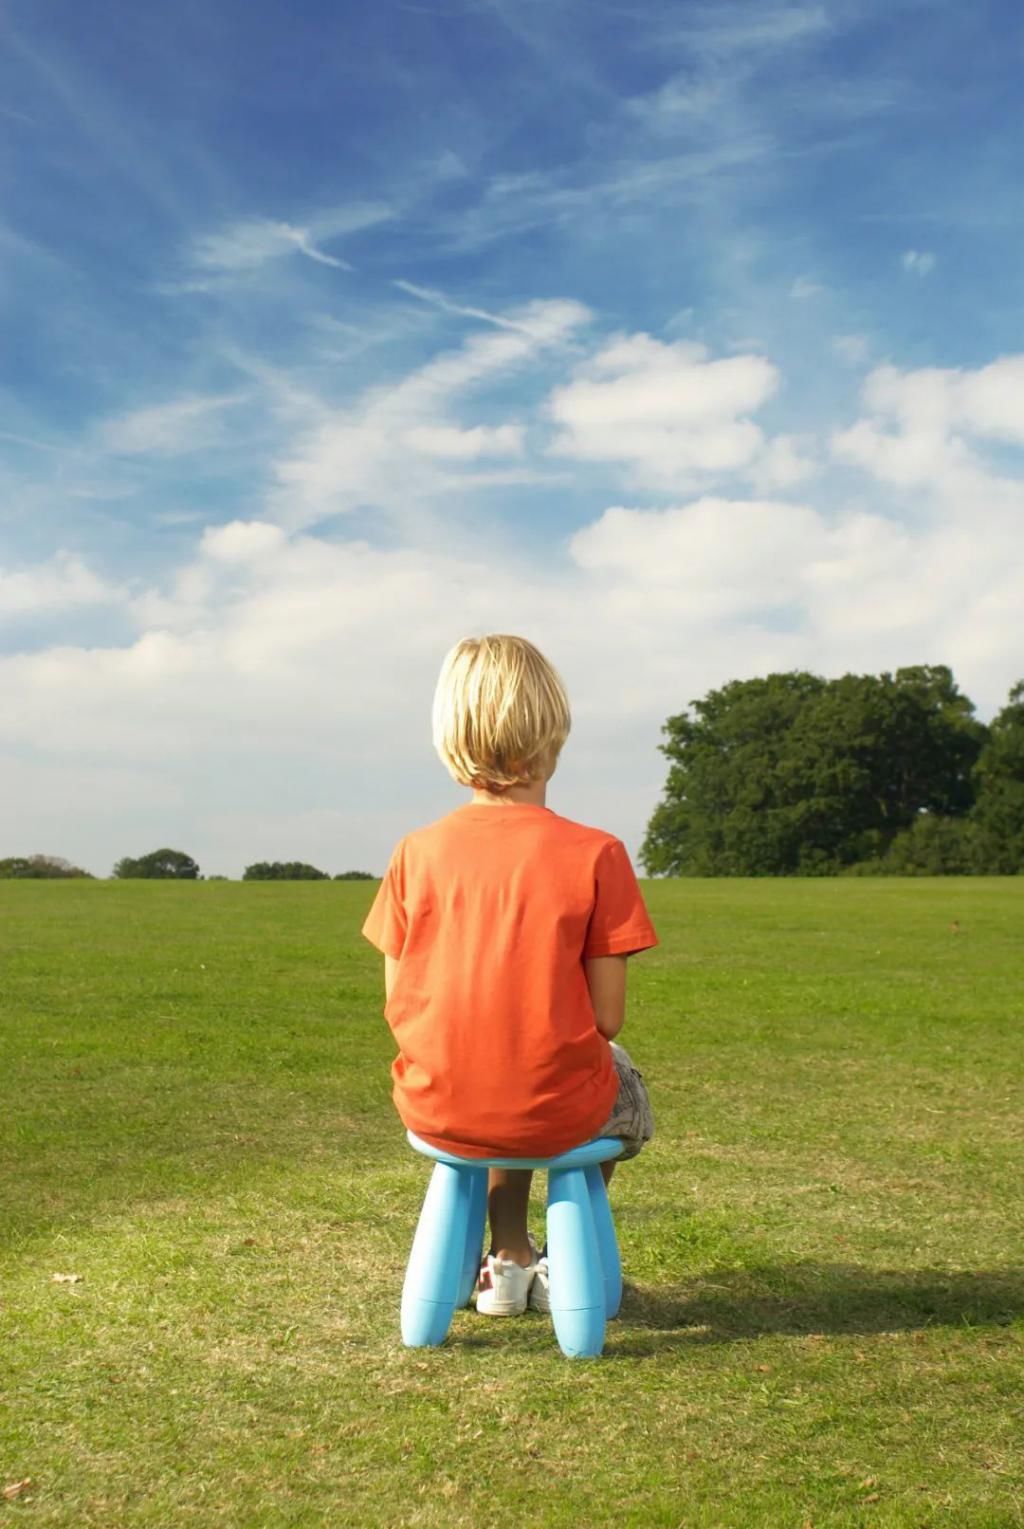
x: 600, y: 1150
x: 585, y: 1274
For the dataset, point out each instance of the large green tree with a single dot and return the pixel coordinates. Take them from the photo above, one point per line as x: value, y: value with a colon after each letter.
x: 40, y: 868
x: 792, y: 774
x: 158, y: 865
x: 998, y: 814
x: 283, y: 870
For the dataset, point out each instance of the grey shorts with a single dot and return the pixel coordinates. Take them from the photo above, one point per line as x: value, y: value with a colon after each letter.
x: 631, y: 1118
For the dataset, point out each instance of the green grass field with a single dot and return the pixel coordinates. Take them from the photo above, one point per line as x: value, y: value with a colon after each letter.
x: 824, y: 1323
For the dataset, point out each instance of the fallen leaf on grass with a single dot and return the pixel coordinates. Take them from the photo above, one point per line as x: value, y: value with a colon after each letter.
x: 67, y: 1279
x: 15, y: 1489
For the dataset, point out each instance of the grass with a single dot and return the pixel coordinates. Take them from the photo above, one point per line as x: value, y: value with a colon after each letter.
x: 825, y: 1319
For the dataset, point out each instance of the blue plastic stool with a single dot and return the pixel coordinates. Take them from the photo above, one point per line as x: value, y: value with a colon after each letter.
x: 585, y: 1279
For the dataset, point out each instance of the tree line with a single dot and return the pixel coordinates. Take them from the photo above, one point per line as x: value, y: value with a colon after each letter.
x: 790, y: 775
x: 40, y: 868
x: 795, y: 775
x: 166, y: 865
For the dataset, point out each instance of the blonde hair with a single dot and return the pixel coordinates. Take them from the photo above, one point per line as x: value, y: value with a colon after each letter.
x: 501, y: 714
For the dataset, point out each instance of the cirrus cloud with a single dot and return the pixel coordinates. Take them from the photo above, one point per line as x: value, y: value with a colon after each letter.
x: 918, y: 262
x: 399, y: 445
x: 249, y: 243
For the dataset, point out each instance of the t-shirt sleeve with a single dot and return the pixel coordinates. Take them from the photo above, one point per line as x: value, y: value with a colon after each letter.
x: 619, y: 924
x: 386, y: 921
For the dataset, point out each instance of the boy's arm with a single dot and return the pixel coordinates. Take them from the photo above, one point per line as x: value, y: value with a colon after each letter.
x: 390, y: 973
x: 606, y: 979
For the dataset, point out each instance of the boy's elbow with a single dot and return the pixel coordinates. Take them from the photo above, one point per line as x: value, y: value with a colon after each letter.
x: 609, y: 1025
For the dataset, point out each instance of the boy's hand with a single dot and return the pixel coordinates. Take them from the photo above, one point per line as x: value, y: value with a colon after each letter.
x: 606, y: 979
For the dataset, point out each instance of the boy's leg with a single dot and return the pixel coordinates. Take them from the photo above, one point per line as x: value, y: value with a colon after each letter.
x: 508, y: 1203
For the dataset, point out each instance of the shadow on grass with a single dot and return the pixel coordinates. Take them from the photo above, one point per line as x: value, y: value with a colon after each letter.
x: 808, y: 1298
x: 797, y: 1300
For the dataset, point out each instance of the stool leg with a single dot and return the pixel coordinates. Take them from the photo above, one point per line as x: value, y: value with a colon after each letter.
x: 607, y: 1242
x: 435, y: 1263
x: 474, y: 1233
x: 574, y: 1259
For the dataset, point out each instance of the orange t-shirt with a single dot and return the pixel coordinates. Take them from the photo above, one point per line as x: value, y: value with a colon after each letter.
x: 492, y: 912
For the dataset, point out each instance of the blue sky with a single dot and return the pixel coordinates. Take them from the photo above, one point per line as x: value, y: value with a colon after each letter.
x: 683, y: 338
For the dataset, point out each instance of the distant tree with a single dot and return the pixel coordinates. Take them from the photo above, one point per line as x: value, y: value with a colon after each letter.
x: 998, y: 814
x: 931, y: 743
x: 217, y: 878
x: 355, y: 876
x: 719, y: 816
x: 795, y: 775
x: 933, y: 846
x: 41, y: 868
x: 15, y: 867
x: 158, y: 865
x: 283, y: 870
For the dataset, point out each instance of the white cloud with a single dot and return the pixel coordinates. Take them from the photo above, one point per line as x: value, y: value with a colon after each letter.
x: 279, y: 689
x: 449, y: 166
x: 803, y: 287
x: 680, y: 320
x: 383, y: 450
x: 922, y: 426
x: 252, y: 242
x: 668, y: 414
x: 242, y: 542
x: 449, y: 441
x: 785, y: 461
x: 726, y: 30
x: 714, y: 557
x: 851, y: 348
x: 244, y: 246
x: 50, y: 447
x: 62, y: 582
x: 909, y: 457
x: 439, y: 300
x: 859, y: 590
x: 187, y: 424
x: 990, y: 401
x: 918, y: 262
x: 987, y: 402
x: 680, y: 102
x: 513, y: 204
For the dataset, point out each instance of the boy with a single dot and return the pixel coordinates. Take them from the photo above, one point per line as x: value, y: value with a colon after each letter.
x: 505, y: 931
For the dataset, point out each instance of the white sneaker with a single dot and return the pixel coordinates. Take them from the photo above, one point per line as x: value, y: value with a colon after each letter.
x: 540, y: 1293
x: 503, y: 1287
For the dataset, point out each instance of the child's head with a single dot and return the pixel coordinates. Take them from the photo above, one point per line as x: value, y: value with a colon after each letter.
x: 501, y: 714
